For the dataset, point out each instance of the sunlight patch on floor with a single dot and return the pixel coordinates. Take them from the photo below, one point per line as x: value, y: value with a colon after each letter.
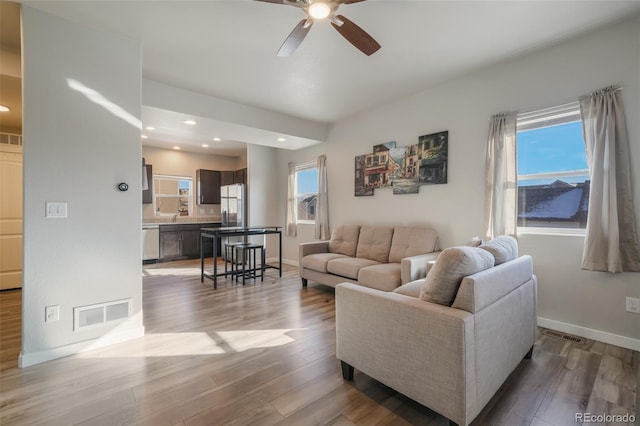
x: 242, y: 340
x: 195, y: 343
x: 164, y: 272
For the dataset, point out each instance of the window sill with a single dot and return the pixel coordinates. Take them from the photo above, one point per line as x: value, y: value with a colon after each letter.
x: 305, y: 222
x: 567, y: 232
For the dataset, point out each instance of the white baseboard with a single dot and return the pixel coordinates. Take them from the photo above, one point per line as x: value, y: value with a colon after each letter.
x: 25, y: 360
x: 589, y: 333
x: 285, y: 261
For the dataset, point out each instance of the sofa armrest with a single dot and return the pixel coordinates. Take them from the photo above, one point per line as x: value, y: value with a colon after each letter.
x: 415, y: 267
x: 421, y: 349
x: 312, y: 247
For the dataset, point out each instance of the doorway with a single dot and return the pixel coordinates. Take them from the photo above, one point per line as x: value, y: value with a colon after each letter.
x: 11, y: 185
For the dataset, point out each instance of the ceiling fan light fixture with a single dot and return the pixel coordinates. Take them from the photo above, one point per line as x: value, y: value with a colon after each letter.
x: 319, y: 10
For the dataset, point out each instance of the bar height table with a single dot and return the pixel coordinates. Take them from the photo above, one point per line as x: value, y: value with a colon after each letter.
x: 234, y: 231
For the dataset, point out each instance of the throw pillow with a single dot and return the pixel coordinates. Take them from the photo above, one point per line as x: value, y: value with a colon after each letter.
x: 504, y: 248
x: 453, y: 264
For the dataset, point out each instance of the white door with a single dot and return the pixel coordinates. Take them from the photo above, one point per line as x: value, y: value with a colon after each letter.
x: 10, y: 217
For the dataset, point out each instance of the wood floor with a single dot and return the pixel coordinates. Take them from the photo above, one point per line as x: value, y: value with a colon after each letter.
x: 264, y: 354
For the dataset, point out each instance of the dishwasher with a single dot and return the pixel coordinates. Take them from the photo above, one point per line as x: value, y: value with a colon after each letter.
x: 150, y: 243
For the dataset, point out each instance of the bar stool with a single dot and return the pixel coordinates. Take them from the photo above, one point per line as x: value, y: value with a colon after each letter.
x: 249, y: 268
x: 229, y: 253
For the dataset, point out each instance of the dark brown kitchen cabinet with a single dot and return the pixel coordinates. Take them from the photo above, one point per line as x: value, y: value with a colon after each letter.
x: 147, y: 194
x: 170, y: 245
x: 179, y: 242
x: 207, y: 186
x: 207, y: 243
x: 182, y: 241
x: 240, y: 176
x: 226, y: 178
x: 191, y: 243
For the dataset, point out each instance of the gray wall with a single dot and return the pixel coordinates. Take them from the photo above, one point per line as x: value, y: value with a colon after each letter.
x: 262, y: 191
x: 77, y: 148
x: 576, y: 300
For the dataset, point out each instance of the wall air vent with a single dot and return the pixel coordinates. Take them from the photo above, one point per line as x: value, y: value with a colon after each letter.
x: 10, y: 139
x: 101, y: 314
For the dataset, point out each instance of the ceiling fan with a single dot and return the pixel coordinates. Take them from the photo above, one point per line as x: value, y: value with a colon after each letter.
x: 325, y: 9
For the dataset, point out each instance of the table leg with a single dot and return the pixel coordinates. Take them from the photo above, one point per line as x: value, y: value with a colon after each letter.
x: 280, y: 254
x: 215, y: 262
x: 201, y: 259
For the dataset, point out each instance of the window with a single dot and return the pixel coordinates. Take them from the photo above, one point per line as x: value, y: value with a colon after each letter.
x: 172, y: 195
x: 553, y: 176
x: 306, y: 192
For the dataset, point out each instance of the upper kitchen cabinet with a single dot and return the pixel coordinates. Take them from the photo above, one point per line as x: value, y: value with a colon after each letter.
x: 240, y: 176
x: 208, y: 186
x: 147, y: 194
x: 227, y: 178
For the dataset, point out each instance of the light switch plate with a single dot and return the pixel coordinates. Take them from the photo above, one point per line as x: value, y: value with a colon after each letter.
x: 56, y: 209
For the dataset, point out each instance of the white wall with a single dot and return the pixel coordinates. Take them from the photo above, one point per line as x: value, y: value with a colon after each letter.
x: 182, y: 163
x: 262, y: 190
x: 77, y: 151
x: 552, y: 76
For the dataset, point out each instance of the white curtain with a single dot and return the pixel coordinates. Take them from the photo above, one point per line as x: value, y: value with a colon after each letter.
x: 501, y: 176
x: 611, y: 242
x: 322, y: 204
x: 292, y: 215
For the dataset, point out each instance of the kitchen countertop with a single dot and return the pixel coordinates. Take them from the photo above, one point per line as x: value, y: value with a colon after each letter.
x: 155, y: 222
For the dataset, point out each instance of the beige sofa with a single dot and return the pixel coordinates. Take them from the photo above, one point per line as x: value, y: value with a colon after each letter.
x: 451, y: 359
x: 381, y: 257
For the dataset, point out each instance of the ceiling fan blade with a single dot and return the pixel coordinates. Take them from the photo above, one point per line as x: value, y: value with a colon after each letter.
x: 295, y: 37
x: 349, y: 1
x: 356, y: 36
x: 272, y: 1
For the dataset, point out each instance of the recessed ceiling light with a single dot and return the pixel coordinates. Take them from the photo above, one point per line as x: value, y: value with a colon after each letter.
x: 189, y: 122
x: 217, y: 139
x: 150, y: 128
x: 281, y: 140
x: 144, y: 136
x: 204, y: 145
x: 176, y: 147
x: 4, y: 108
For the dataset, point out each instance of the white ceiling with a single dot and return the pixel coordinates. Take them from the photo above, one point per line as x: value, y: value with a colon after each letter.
x: 226, y: 48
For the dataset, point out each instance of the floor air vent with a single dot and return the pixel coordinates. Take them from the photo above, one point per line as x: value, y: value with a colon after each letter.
x: 565, y: 336
x: 101, y: 313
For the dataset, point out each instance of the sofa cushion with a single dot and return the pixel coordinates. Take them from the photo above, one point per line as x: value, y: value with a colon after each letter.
x: 348, y: 266
x: 318, y: 261
x: 503, y: 248
x: 374, y: 243
x: 385, y: 276
x: 411, y: 289
x: 411, y: 241
x: 453, y: 264
x: 344, y: 239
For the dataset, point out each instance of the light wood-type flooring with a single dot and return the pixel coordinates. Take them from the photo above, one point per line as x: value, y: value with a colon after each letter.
x: 264, y: 354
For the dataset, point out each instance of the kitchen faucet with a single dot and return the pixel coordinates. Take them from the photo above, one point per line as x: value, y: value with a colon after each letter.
x: 175, y: 217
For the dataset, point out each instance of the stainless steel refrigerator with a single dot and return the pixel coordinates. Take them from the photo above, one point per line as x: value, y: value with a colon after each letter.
x: 232, y: 210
